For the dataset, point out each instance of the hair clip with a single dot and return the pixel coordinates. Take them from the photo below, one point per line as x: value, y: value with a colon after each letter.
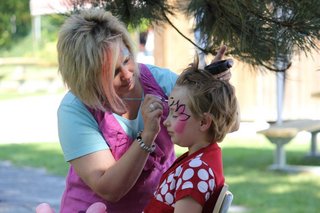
x: 219, y: 66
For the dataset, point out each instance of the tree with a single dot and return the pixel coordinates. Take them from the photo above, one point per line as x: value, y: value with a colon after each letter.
x: 15, y: 22
x: 259, y: 32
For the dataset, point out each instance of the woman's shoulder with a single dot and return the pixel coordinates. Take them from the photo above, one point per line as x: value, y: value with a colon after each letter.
x: 164, y: 77
x: 160, y: 70
x: 70, y: 104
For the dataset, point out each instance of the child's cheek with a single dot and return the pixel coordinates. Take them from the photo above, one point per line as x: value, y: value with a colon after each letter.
x: 179, y: 127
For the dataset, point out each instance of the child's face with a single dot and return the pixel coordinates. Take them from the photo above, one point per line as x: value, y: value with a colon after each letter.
x: 181, y: 124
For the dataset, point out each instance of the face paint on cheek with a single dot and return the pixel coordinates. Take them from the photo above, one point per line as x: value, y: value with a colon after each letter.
x: 180, y: 126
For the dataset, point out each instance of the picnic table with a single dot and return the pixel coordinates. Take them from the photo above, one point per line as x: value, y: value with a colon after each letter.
x: 282, y: 134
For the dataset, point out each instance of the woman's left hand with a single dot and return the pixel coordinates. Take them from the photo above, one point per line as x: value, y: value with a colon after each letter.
x: 226, y: 75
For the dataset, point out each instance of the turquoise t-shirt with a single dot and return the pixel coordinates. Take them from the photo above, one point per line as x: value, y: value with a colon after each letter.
x: 79, y: 133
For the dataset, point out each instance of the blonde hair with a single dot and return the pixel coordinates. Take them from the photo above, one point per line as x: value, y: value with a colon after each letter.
x: 209, y: 95
x: 89, y: 45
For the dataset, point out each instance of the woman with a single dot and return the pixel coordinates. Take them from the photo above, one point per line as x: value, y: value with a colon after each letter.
x: 109, y: 120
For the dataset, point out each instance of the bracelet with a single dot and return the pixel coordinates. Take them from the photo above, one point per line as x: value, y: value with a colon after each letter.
x: 143, y: 145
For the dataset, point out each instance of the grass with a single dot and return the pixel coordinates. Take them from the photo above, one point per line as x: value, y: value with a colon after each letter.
x: 246, y: 162
x: 39, y: 155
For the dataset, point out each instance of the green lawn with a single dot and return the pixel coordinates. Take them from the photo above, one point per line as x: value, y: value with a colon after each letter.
x: 246, y: 162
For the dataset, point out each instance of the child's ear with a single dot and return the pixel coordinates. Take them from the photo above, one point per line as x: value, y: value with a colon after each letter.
x: 205, y: 122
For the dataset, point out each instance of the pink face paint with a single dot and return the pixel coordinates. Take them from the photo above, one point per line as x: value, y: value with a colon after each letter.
x: 182, y: 118
x: 180, y: 126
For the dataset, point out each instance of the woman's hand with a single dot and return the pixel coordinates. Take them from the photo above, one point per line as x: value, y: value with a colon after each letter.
x: 152, y: 110
x: 226, y: 75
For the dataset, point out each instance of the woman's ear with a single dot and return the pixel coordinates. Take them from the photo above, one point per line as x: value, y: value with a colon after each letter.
x: 205, y: 122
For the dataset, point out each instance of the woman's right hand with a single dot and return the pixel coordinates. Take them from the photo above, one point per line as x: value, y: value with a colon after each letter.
x: 152, y: 110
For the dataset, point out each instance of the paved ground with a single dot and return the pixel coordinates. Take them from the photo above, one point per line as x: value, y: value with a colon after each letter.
x: 22, y: 189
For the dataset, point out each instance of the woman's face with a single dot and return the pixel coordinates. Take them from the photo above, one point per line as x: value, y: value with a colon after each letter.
x: 124, y: 78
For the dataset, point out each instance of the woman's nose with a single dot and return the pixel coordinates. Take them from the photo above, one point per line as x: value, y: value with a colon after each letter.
x: 166, y: 122
x: 125, y: 74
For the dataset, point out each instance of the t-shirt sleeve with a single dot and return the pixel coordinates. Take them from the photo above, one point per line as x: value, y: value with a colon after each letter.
x: 164, y: 77
x: 197, y: 181
x: 79, y: 134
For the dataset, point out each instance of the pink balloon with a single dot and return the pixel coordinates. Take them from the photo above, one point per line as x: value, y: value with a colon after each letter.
x: 44, y: 208
x: 97, y: 207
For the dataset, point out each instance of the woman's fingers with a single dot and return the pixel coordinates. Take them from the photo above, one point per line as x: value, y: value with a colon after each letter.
x: 152, y: 110
x: 220, y: 54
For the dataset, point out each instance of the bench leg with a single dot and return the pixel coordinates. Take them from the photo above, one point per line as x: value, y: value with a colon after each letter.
x: 313, y: 147
x: 280, y: 156
x: 280, y: 153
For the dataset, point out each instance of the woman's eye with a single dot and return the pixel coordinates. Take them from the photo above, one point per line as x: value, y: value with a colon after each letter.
x: 116, y: 72
x: 127, y: 59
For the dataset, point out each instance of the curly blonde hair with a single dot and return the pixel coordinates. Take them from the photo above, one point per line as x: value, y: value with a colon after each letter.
x: 89, y: 45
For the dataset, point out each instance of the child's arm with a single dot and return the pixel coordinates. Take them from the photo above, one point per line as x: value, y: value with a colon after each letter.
x: 187, y: 204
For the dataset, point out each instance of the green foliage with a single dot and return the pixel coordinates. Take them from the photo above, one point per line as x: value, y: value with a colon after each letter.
x: 258, y: 32
x: 45, y: 49
x: 262, y: 33
x: 133, y: 13
x: 50, y: 26
x: 15, y: 22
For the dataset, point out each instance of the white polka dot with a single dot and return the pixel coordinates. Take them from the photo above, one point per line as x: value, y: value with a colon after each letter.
x: 164, y: 189
x: 187, y: 185
x: 164, y: 182
x: 159, y: 197
x: 178, y: 171
x: 188, y: 174
x: 199, y: 156
x: 211, y: 184
x: 173, y: 184
x: 179, y: 183
x: 207, y: 196
x: 170, y: 178
x: 195, y: 163
x: 211, y: 172
x: 203, y: 186
x: 169, y: 198
x: 203, y: 174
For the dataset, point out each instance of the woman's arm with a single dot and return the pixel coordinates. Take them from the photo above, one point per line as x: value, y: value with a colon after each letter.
x: 112, y: 179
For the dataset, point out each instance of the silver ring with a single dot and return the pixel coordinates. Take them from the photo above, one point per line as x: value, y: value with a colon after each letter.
x: 151, y: 107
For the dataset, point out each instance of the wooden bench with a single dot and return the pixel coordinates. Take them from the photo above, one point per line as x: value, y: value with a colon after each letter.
x: 281, y: 134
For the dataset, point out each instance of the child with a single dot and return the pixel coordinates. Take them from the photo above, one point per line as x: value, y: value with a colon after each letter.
x: 202, y: 111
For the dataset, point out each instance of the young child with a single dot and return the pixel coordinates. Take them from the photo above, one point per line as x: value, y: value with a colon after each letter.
x: 202, y: 111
